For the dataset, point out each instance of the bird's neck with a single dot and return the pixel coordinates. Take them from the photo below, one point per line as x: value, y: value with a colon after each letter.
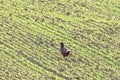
x: 62, y: 46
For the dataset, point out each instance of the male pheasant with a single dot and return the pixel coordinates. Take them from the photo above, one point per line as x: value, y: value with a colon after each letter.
x: 64, y: 51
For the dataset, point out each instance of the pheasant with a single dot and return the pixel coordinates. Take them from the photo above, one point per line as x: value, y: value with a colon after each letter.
x: 64, y: 51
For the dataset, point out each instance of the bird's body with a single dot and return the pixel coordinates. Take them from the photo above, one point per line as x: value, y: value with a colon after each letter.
x: 64, y: 51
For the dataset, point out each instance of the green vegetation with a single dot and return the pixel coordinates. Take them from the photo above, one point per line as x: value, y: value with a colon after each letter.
x: 31, y: 30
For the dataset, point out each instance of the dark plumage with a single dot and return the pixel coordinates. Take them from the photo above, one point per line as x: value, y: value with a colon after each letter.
x: 64, y: 51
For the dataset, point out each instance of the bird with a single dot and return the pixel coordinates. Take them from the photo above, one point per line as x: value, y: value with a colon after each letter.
x: 64, y: 51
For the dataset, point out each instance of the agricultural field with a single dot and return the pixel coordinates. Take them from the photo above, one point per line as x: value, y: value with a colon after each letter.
x: 31, y: 32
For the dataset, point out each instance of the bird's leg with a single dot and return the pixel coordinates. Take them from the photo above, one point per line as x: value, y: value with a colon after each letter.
x: 65, y: 58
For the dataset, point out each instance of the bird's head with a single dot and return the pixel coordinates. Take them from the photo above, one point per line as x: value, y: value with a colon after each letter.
x: 62, y: 44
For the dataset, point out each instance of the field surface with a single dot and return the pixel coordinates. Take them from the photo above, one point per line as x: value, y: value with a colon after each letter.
x: 31, y: 30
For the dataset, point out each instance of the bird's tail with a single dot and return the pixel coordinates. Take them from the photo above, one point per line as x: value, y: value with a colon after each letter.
x: 68, y: 51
